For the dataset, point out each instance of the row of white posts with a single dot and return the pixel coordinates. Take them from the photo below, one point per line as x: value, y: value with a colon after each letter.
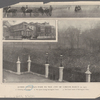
x: 88, y: 73
x: 18, y: 65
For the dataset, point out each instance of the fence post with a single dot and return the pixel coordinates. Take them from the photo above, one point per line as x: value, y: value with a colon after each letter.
x: 18, y: 66
x: 88, y: 74
x: 61, y: 70
x: 29, y: 63
x: 46, y: 66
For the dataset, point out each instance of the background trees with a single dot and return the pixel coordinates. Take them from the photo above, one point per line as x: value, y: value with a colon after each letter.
x: 73, y: 37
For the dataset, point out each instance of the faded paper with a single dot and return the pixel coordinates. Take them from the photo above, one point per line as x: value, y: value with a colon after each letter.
x: 50, y: 50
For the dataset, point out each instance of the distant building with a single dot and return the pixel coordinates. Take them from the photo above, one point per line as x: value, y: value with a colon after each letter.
x: 32, y: 29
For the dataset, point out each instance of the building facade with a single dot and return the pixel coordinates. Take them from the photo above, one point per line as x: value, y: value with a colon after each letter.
x: 32, y: 30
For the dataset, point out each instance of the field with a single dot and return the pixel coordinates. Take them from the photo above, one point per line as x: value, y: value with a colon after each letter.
x: 61, y: 11
x: 26, y: 77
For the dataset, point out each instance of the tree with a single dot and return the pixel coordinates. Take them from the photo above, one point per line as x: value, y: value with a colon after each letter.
x: 72, y: 36
x: 91, y: 38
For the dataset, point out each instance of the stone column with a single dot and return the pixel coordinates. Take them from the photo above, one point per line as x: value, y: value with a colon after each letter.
x: 61, y: 74
x: 18, y: 66
x: 88, y: 74
x: 29, y: 63
x: 46, y: 70
x: 46, y: 66
x: 61, y: 69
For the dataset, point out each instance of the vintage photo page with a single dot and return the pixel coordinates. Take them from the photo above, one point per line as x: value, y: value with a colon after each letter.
x: 50, y: 50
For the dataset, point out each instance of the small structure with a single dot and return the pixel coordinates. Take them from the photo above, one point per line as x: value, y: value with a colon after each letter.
x: 46, y: 66
x: 29, y: 63
x: 61, y: 70
x: 88, y: 74
x: 18, y: 66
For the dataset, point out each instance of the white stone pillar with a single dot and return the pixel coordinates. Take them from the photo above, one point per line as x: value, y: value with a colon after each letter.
x: 46, y: 70
x: 88, y: 74
x: 47, y: 66
x: 61, y: 69
x: 29, y: 63
x: 61, y: 74
x: 18, y: 66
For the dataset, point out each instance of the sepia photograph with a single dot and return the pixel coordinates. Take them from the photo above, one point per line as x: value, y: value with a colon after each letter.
x: 51, y: 11
x: 50, y: 50
x: 74, y: 58
x: 29, y: 30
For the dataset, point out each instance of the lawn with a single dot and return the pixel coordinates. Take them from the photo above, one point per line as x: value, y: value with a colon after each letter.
x: 23, y: 78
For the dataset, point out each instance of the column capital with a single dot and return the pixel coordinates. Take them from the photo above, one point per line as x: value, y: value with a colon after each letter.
x: 88, y: 70
x: 18, y: 61
x: 61, y: 67
x: 28, y: 60
x: 47, y: 64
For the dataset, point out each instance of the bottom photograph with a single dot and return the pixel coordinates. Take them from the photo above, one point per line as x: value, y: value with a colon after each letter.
x: 42, y: 62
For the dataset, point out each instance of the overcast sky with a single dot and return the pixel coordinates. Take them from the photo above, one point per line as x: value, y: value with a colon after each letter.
x: 14, y: 22
x: 38, y: 4
x: 82, y: 24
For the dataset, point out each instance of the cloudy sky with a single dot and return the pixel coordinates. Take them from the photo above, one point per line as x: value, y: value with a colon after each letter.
x: 38, y: 4
x: 82, y: 24
x: 14, y: 22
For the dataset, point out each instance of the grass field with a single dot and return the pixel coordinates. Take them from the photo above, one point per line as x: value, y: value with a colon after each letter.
x: 24, y: 78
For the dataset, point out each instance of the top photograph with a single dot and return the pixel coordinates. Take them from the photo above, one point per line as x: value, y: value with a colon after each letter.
x: 51, y: 11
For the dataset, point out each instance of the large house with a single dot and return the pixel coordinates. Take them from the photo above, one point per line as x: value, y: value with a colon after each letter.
x: 32, y: 30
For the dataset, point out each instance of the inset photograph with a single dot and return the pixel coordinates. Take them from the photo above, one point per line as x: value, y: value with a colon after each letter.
x: 51, y: 11
x: 29, y: 30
